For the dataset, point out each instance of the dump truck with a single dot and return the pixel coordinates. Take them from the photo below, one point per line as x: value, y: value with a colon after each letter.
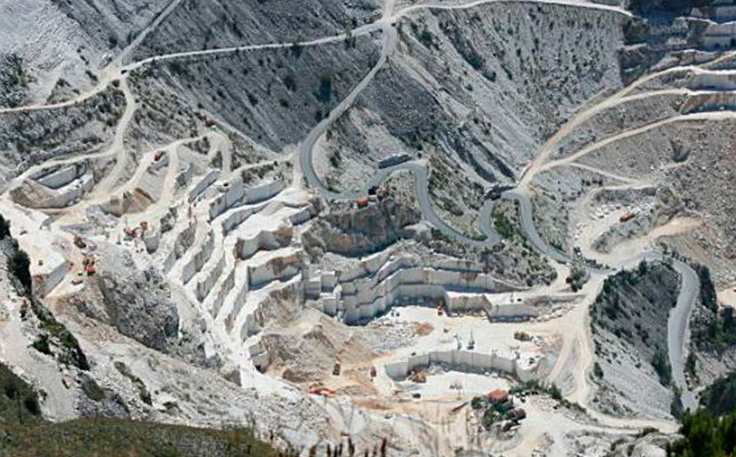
x: 627, y: 217
x: 516, y: 415
x: 321, y: 390
x: 393, y: 160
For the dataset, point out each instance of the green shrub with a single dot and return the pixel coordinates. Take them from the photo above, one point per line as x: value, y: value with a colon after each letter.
x: 690, y: 365
x: 555, y: 392
x: 19, y: 402
x: 30, y: 403
x: 290, y: 82
x: 676, y: 408
x: 503, y: 226
x: 662, y: 366
x: 707, y: 290
x: 93, y: 390
x: 20, y: 266
x: 41, y: 344
x: 71, y: 351
x: 597, y: 370
x: 705, y: 436
x: 720, y: 397
x: 4, y: 228
x: 324, y: 94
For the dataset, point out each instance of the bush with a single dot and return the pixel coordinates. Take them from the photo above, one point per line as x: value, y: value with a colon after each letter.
x: 720, y: 397
x: 597, y: 370
x: 474, y: 60
x: 20, y: 266
x: 290, y: 82
x: 11, y: 389
x: 647, y: 6
x: 503, y: 226
x: 71, y: 351
x: 324, y: 94
x: 92, y: 390
x: 555, y: 392
x: 41, y: 344
x: 705, y: 436
x: 676, y: 408
x: 297, y: 47
x: 707, y: 290
x: 427, y: 38
x: 4, y: 228
x: 18, y: 401
x: 690, y: 365
x: 30, y: 403
x: 177, y: 68
x: 662, y: 366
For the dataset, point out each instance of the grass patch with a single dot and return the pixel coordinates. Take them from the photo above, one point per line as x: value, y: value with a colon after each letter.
x: 117, y: 437
x: 25, y: 434
x: 18, y: 401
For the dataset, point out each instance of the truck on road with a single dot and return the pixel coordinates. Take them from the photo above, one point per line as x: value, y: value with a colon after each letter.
x: 394, y: 160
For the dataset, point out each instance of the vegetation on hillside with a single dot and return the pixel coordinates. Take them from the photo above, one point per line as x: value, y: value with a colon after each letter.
x: 719, y: 332
x: 18, y: 401
x: 630, y: 315
x: 720, y: 397
x: 19, y: 265
x: 4, y: 228
x: 706, y: 436
x: 108, y: 437
x: 647, y: 6
x: 25, y: 434
x: 634, y: 305
x: 661, y: 365
x: 68, y: 350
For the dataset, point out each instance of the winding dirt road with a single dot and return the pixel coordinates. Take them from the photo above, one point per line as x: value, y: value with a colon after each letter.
x: 577, y: 339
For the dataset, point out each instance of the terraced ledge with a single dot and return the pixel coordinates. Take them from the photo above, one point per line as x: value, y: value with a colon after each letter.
x: 279, y: 267
x: 58, y: 188
x: 264, y: 240
x: 205, y: 285
x: 182, y: 243
x: 225, y: 289
x: 237, y: 216
x: 235, y: 193
x: 205, y: 182
x: 524, y: 369
x: 235, y: 301
x: 198, y: 260
x: 379, y: 284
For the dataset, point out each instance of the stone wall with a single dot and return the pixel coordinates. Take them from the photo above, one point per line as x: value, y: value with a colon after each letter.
x: 462, y: 361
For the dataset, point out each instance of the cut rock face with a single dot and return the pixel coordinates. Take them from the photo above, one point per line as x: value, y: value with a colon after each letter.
x: 135, y: 302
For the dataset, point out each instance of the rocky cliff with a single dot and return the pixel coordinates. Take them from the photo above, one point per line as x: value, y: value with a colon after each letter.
x: 629, y: 324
